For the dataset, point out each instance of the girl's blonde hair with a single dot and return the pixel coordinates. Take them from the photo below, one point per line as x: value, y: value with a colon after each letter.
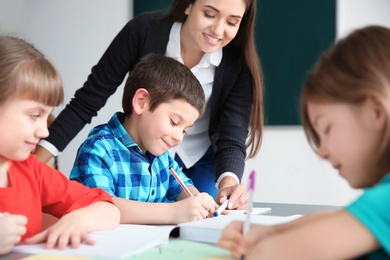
x: 26, y: 73
x: 355, y: 68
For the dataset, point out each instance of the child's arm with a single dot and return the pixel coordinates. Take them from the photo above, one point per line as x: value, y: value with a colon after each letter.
x: 336, y: 235
x: 74, y: 227
x: 189, y: 209
x: 232, y: 237
x: 42, y: 154
x: 12, y: 228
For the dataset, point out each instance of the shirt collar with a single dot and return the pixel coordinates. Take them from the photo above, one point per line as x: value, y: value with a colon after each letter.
x: 116, y: 127
x: 173, y: 49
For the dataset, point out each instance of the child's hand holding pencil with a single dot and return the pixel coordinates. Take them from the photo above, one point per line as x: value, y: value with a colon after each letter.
x: 194, y: 207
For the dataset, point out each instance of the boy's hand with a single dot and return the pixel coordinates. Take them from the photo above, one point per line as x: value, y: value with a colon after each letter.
x: 66, y: 231
x: 194, y: 208
x: 12, y: 228
x: 208, y: 203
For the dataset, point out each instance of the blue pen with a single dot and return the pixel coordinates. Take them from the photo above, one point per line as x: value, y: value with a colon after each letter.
x: 221, y: 208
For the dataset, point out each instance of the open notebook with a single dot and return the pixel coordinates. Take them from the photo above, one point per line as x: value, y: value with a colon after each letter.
x: 129, y: 240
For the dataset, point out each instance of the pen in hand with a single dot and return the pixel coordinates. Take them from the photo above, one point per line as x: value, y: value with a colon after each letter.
x: 185, y: 188
x: 251, y: 188
x: 221, y: 208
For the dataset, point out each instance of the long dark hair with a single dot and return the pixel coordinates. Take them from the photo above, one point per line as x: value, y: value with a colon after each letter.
x: 244, y: 40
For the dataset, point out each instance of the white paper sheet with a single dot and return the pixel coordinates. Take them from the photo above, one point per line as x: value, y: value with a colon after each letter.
x: 119, y: 243
x: 255, y: 211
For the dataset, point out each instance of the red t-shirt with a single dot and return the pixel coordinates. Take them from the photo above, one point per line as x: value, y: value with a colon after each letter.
x: 34, y: 187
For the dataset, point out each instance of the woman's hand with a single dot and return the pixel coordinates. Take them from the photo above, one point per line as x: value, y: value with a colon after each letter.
x: 42, y: 154
x: 237, y: 193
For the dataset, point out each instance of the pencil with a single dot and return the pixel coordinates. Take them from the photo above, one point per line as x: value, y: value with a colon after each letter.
x: 247, y: 223
x: 185, y: 188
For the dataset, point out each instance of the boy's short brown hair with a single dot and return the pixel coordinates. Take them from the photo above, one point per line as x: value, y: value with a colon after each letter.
x: 165, y: 79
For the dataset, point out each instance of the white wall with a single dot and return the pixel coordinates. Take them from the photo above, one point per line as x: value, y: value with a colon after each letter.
x: 288, y: 171
x: 73, y: 34
x: 353, y: 14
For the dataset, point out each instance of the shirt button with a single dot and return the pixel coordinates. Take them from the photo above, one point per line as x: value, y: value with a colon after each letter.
x: 152, y: 192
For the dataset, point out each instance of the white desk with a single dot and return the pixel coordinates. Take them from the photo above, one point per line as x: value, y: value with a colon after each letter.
x: 284, y: 209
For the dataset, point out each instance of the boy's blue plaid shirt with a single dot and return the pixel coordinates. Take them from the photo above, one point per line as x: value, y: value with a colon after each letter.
x: 111, y: 160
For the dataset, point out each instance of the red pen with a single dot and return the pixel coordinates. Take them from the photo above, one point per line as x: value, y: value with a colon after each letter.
x: 185, y: 188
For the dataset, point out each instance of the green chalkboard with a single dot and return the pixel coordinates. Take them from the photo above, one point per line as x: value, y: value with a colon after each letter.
x: 290, y: 36
x: 141, y: 6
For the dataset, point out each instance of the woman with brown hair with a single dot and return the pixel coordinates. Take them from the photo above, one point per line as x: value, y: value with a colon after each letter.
x: 215, y: 39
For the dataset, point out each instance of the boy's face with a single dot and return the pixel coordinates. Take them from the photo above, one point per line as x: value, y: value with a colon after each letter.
x: 22, y: 124
x: 165, y: 127
x: 349, y: 137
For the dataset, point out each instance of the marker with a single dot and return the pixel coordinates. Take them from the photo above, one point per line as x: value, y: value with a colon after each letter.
x: 185, y: 188
x: 221, y: 208
x: 251, y: 188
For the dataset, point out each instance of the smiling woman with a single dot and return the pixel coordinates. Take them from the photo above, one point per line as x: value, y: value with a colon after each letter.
x: 216, y: 41
x: 208, y: 28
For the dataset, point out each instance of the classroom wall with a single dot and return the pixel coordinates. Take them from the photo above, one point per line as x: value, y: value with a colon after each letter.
x: 358, y: 13
x: 74, y: 34
x: 288, y: 171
